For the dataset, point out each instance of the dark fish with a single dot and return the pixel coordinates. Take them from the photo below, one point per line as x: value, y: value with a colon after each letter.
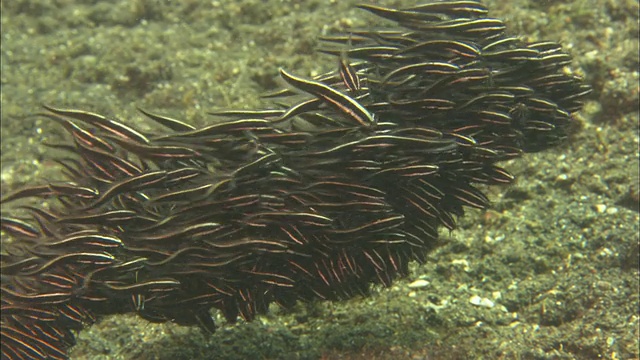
x: 74, y: 190
x: 374, y: 257
x: 183, y: 195
x: 18, y: 227
x: 351, y: 206
x: 30, y: 191
x: 398, y: 15
x: 118, y: 129
x: 411, y: 171
x: 502, y: 42
x: 264, y: 218
x: 494, y: 117
x: 535, y: 103
x: 133, y: 183
x: 157, y: 285
x: 80, y: 135
x: 29, y: 345
x: 273, y: 279
x: 383, y: 224
x: 73, y: 313
x: 538, y: 125
x: 59, y: 281
x: 463, y: 140
x: 555, y: 60
x: 182, y: 175
x: 348, y: 74
x: 261, y: 163
x: 286, y: 138
x: 205, y: 321
x: 471, y: 196
x: 187, y: 232
x: 223, y: 128
x: 38, y: 298
x: 101, y: 258
x: 173, y: 124
x: 453, y: 8
x: 419, y: 69
x: 103, y: 164
x: 24, y: 264
x: 244, y: 114
x: 374, y: 53
x: 486, y: 27
x: 148, y: 151
x: 299, y: 108
x: 447, y: 220
x: 29, y: 312
x: 518, y: 54
x: 500, y: 176
x: 424, y: 104
x: 45, y: 221
x: 447, y: 48
x: 339, y: 101
x: 213, y: 263
x: 352, y: 37
x: 420, y: 204
x: 85, y: 238
x: 488, y: 98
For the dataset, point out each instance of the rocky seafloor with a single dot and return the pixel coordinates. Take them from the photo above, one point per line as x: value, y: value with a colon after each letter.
x: 550, y: 272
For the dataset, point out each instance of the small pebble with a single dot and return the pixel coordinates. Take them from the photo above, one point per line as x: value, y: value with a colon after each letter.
x: 463, y: 262
x: 420, y: 283
x: 600, y: 208
x: 483, y: 302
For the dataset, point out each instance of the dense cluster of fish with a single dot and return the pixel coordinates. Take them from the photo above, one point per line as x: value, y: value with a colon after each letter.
x: 340, y: 186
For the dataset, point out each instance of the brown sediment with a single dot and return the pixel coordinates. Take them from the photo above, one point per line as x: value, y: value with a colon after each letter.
x: 285, y: 217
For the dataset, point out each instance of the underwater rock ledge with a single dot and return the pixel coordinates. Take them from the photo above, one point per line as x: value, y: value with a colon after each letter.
x: 340, y: 187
